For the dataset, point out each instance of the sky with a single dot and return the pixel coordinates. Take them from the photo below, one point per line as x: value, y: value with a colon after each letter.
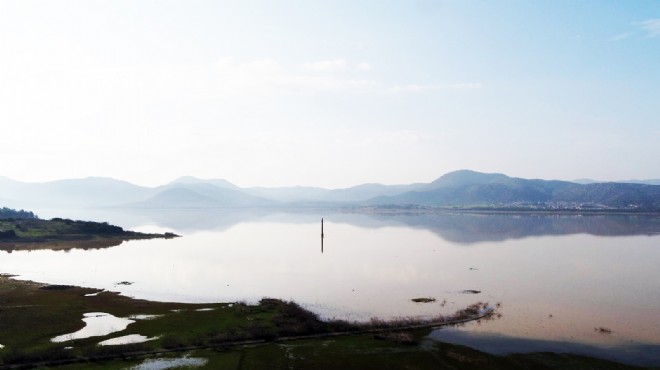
x: 328, y: 93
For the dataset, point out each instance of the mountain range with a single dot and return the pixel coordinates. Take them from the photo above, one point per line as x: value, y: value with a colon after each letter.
x: 463, y: 188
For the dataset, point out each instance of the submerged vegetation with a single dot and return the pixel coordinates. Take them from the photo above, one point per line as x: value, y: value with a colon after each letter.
x: 423, y: 300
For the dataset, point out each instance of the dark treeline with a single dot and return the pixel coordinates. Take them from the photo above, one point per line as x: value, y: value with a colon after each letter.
x: 6, y: 213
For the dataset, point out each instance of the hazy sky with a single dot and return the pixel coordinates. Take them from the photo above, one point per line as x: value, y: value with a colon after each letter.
x: 329, y: 93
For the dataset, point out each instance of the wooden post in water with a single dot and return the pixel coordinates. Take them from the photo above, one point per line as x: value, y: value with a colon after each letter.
x: 322, y: 235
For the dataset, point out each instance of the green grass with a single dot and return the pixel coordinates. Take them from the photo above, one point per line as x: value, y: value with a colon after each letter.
x: 30, y: 316
x: 363, y: 352
x: 64, y: 234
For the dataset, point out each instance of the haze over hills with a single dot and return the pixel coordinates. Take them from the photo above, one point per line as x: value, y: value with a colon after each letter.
x: 200, y: 195
x: 645, y: 182
x: 71, y: 193
x: 463, y: 188
x: 466, y: 187
x: 188, y: 180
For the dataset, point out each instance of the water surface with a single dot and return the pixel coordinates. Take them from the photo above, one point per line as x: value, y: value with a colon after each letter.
x: 126, y: 339
x: 557, y: 277
x: 97, y: 324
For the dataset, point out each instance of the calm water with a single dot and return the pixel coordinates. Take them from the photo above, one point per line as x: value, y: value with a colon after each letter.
x: 556, y: 277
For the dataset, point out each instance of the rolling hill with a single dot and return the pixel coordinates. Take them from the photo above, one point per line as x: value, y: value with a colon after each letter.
x: 200, y: 195
x: 470, y: 188
x: 459, y: 188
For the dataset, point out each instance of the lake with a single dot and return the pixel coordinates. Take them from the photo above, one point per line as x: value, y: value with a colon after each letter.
x: 559, y: 278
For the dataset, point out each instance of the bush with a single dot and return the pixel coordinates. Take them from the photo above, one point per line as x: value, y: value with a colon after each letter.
x: 9, y: 234
x: 8, y: 213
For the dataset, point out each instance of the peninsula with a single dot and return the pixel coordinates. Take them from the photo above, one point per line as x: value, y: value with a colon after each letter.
x: 36, y: 230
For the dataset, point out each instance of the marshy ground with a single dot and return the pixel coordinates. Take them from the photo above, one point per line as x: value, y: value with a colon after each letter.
x: 273, y: 334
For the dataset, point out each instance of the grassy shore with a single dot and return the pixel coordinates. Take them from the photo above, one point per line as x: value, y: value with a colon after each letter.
x: 272, y: 334
x: 34, y: 230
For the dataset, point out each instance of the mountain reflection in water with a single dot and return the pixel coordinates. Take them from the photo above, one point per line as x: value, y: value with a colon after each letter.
x: 457, y: 227
x: 468, y: 228
x: 557, y: 277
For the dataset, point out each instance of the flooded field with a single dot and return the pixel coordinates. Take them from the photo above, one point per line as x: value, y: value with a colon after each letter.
x: 584, y: 284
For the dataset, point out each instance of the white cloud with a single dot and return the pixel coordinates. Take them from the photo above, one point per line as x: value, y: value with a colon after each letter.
x: 326, y: 65
x: 335, y: 65
x: 131, y: 96
x: 415, y: 88
x: 268, y: 76
x: 651, y: 26
x: 620, y: 37
x: 363, y: 66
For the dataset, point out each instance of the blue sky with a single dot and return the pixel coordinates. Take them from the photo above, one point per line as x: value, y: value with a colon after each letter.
x: 329, y: 93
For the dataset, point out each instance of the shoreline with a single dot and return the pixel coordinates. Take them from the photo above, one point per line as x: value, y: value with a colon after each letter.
x: 225, y: 328
x: 24, y: 304
x: 417, y: 209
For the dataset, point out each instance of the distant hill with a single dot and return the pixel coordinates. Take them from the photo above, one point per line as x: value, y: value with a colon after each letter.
x: 176, y: 198
x: 462, y: 178
x: 357, y: 193
x: 612, y: 194
x: 73, y: 193
x: 200, y: 195
x: 585, y: 181
x: 470, y: 188
x: 366, y: 191
x: 289, y: 194
x: 188, y: 180
x: 463, y: 188
x: 467, y: 187
x: 300, y: 194
x: 644, y: 182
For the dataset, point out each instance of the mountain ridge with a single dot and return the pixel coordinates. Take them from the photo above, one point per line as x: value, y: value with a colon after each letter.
x: 459, y: 188
x: 470, y: 188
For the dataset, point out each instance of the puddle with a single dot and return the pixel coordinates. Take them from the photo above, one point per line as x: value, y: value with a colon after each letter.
x: 204, y: 309
x: 94, y: 294
x: 1, y: 346
x: 170, y: 363
x: 126, y: 339
x: 97, y: 324
x: 144, y: 317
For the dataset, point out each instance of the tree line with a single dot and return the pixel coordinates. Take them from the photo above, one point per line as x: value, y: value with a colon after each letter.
x: 6, y: 213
